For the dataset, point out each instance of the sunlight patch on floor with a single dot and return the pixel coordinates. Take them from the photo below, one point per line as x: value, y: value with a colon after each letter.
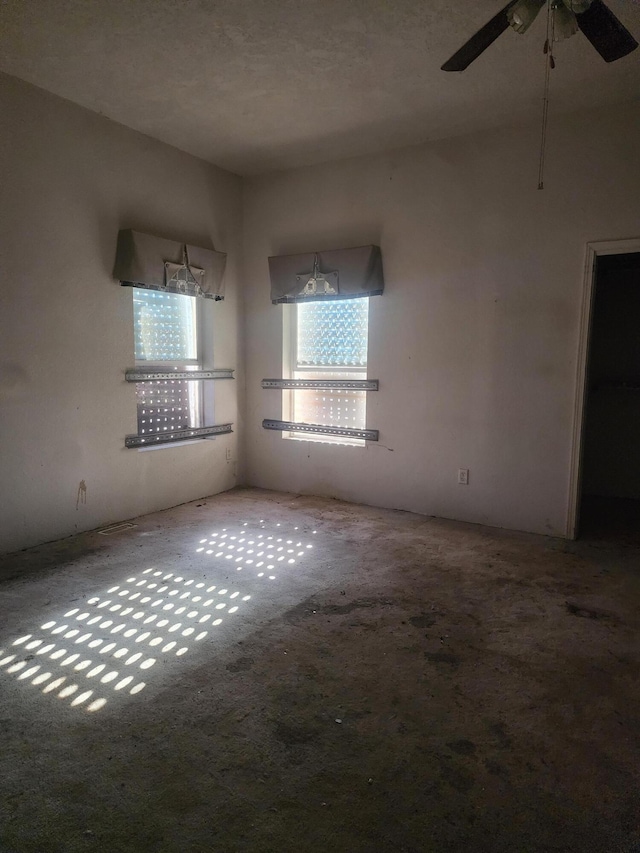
x: 147, y: 614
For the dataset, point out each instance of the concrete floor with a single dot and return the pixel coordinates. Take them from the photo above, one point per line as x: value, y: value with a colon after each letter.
x: 407, y: 684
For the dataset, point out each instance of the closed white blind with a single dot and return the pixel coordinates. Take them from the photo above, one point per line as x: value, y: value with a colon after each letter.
x: 333, y: 333
x: 165, y: 327
x: 168, y: 405
x: 330, y: 408
x: 331, y: 343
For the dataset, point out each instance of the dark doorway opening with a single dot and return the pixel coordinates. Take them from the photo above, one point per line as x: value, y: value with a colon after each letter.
x: 610, y: 498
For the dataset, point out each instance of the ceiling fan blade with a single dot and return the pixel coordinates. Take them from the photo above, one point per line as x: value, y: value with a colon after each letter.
x: 478, y: 43
x: 606, y: 33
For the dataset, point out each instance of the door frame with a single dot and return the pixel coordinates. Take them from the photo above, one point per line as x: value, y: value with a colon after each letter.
x: 593, y: 251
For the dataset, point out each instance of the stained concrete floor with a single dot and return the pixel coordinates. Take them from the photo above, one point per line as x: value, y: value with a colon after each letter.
x: 407, y: 684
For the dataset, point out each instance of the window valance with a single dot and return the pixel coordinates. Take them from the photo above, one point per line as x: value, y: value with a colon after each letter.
x: 336, y: 274
x: 154, y: 263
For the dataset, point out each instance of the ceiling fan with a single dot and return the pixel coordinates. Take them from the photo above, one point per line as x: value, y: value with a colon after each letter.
x: 596, y: 21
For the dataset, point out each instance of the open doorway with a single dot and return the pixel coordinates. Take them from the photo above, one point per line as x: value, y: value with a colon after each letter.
x: 609, y: 494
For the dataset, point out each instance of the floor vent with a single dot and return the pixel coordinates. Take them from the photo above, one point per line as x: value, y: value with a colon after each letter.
x: 116, y: 528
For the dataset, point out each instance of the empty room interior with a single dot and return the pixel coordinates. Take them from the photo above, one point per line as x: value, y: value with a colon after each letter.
x: 320, y: 418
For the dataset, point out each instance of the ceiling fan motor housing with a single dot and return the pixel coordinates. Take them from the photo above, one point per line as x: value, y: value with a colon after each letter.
x: 593, y: 18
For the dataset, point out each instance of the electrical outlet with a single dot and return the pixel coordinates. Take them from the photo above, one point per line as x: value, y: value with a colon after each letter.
x: 228, y: 454
x: 463, y: 476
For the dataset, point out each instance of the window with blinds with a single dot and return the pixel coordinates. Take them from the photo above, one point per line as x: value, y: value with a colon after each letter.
x: 329, y: 341
x: 166, y: 338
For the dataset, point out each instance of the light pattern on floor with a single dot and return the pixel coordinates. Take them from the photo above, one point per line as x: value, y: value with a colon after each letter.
x: 255, y: 551
x: 115, y: 638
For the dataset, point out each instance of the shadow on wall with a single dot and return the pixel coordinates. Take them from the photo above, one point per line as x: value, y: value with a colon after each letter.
x: 13, y: 379
x: 311, y: 238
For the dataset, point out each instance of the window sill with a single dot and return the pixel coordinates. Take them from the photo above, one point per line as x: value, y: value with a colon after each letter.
x: 171, y: 445
x: 325, y: 439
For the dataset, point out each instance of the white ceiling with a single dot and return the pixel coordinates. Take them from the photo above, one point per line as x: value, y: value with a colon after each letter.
x: 256, y: 85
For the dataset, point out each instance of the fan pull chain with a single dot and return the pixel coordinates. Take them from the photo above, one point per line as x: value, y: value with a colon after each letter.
x: 549, y: 65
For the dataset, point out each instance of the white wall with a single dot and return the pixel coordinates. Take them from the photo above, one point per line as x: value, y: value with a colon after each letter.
x: 70, y: 180
x: 475, y: 339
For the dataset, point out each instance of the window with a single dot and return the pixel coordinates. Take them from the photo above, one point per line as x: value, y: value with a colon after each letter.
x: 166, y: 327
x: 328, y: 340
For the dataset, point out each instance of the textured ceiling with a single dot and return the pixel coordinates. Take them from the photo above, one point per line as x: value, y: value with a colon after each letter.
x: 256, y: 85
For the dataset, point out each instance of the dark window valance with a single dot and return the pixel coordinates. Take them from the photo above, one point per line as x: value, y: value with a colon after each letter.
x: 154, y: 263
x: 336, y: 274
